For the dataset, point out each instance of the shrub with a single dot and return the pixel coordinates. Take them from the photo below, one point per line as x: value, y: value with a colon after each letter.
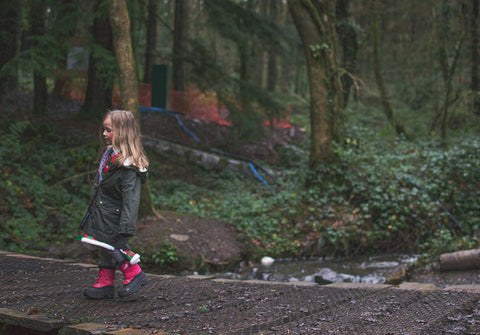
x: 40, y: 199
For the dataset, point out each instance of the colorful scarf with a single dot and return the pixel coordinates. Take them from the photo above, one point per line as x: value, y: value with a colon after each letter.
x: 106, y: 163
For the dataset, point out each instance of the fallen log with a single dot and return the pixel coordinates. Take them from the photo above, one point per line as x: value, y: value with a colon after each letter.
x: 460, y: 260
x: 215, y: 159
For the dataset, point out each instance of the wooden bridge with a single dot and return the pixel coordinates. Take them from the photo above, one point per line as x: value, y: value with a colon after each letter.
x: 44, y: 296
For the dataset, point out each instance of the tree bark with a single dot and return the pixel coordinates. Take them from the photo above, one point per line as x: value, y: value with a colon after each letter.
x: 98, y: 95
x: 315, y: 22
x: 287, y: 59
x: 122, y: 45
x: 258, y: 52
x: 348, y: 39
x: 64, y: 11
x: 272, y: 54
x: 448, y: 66
x: 40, y: 95
x: 10, y: 18
x: 151, y: 45
x: 475, y: 59
x: 180, y: 37
x: 460, y: 260
x: 387, y: 107
x: 120, y: 24
x: 272, y: 67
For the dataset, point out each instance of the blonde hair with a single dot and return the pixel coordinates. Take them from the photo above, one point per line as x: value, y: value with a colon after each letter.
x: 127, y: 141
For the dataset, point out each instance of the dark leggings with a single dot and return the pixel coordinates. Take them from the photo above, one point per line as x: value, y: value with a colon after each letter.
x: 112, y: 259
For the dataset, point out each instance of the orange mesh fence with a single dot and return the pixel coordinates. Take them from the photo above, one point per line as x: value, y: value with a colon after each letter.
x: 201, y: 105
x: 77, y: 89
x: 71, y: 85
x: 281, y: 123
x: 193, y: 103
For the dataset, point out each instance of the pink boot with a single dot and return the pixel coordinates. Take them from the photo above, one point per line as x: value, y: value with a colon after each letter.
x: 104, y: 287
x: 134, y: 279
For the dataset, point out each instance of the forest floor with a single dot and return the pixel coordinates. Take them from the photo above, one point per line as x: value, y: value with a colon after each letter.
x: 202, y: 244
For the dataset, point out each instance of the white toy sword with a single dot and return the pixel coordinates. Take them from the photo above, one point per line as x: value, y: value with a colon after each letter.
x: 118, y: 254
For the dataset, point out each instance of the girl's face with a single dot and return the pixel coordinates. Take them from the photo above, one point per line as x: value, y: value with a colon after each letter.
x: 107, y: 130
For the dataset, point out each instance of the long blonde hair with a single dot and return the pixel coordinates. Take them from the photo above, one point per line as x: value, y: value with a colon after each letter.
x: 127, y: 140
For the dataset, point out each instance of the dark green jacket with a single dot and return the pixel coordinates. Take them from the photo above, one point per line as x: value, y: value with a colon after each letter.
x: 113, y: 210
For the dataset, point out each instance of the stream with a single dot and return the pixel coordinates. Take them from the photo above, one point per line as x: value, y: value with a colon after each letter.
x: 371, y: 270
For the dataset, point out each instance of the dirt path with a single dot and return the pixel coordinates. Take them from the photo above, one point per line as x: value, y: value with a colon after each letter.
x: 201, y: 244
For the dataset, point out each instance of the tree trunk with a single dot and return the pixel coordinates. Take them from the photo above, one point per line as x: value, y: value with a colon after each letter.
x: 348, y: 39
x: 180, y: 37
x: 287, y: 60
x: 460, y: 260
x: 134, y: 8
x: 10, y: 18
x: 258, y: 52
x: 98, y: 96
x: 475, y: 59
x: 122, y: 45
x: 445, y: 68
x: 448, y: 66
x: 246, y: 121
x: 65, y: 11
x: 40, y: 95
x: 272, y: 54
x: 151, y: 45
x: 272, y: 69
x: 315, y: 22
x: 387, y: 107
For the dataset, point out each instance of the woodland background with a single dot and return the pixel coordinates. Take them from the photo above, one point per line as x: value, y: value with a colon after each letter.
x: 386, y: 92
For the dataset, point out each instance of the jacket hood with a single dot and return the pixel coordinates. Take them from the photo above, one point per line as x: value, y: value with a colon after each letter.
x: 143, y: 173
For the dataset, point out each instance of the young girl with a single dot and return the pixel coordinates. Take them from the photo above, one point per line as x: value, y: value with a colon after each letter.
x: 112, y: 214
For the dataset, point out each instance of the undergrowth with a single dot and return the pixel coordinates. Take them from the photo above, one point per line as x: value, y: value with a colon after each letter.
x: 387, y: 196
x: 44, y: 185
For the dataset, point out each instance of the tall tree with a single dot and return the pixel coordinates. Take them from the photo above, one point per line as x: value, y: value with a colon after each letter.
x: 448, y: 61
x: 258, y: 52
x: 272, y: 66
x: 120, y: 24
x: 180, y: 38
x: 242, y: 25
x: 10, y: 19
x: 349, y: 43
x: 151, y: 44
x: 315, y: 22
x: 272, y: 54
x: 98, y: 95
x: 475, y: 58
x: 245, y: 48
x: 287, y: 59
x: 66, y: 17
x: 386, y: 105
x: 122, y: 45
x: 38, y: 16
